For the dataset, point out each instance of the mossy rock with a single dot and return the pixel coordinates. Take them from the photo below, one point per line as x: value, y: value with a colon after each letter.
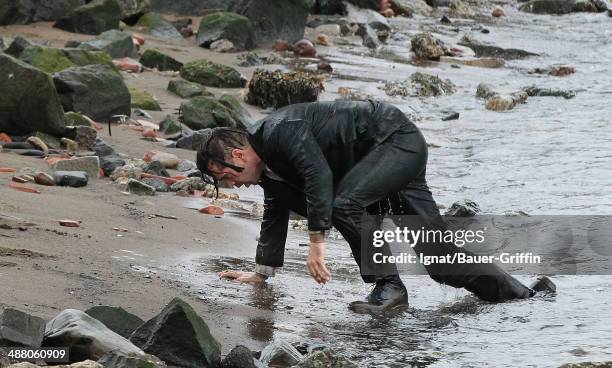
x: 84, y: 57
x: 47, y: 59
x: 186, y: 89
x: 75, y: 119
x: 225, y: 25
x: 277, y: 89
x: 205, y: 112
x: 116, y: 43
x: 92, y: 18
x: 162, y: 62
x: 143, y: 100
x: 170, y: 125
x: 212, y: 74
x: 237, y: 110
x: 158, y: 26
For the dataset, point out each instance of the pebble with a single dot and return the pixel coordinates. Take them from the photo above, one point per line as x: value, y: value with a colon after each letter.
x: 304, y: 48
x: 323, y: 40
x: 70, y: 223
x: 73, y: 179
x: 38, y: 143
x: 44, y: 179
x: 212, y: 210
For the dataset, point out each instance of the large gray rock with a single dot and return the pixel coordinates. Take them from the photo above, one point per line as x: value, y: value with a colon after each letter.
x: 374, y: 19
x: 190, y: 7
x: 133, y: 9
x: 563, y: 6
x: 118, y: 360
x: 275, y: 19
x: 193, y: 141
x: 204, y: 112
x: 160, y: 61
x: 178, y: 336
x: 410, y: 7
x: 158, y: 26
x: 28, y: 100
x: 226, y: 25
x: 97, y: 91
x: 116, y: 319
x: 237, y: 110
x: 92, y: 18
x: 24, y: 12
x: 86, y: 337
x: 20, y: 329
x: 16, y: 47
x: 116, y: 43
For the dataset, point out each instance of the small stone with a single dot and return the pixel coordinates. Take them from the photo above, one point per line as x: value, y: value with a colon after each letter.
x: 304, y: 48
x: 70, y: 145
x: 445, y: 20
x: 155, y: 167
x: 162, y: 62
x: 137, y: 187
x: 561, y: 70
x: 505, y: 102
x: 186, y: 89
x: 88, y: 164
x: 44, y: 179
x: 85, y: 136
x: 498, y: 11
x: 323, y: 40
x: 38, y: 143
x: 222, y: 45
x: 212, y: 210
x: 19, y: 179
x: 485, y: 62
x: 388, y: 13
x: 426, y: 47
x: 281, y: 46
x: 144, y: 100
x: 70, y: 223
x: 73, y: 179
x: 239, y: 357
x: 30, y: 152
x: 451, y: 116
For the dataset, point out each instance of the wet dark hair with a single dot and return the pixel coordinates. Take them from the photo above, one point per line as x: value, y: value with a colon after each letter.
x: 217, y: 147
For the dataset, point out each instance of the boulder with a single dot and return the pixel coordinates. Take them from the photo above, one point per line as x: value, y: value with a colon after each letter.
x: 190, y: 7
x: 427, y: 47
x: 178, y: 336
x: 186, y: 89
x: 24, y: 12
x: 116, y: 319
x: 75, y: 119
x: 275, y: 19
x: 20, y: 329
x: 83, y: 57
x: 116, y: 43
x: 410, y: 7
x: 497, y: 52
x: 88, y: 164
x: 193, y: 141
x: 50, y: 141
x: 118, y: 360
x: 225, y: 25
x: 237, y: 110
x: 131, y: 10
x: 73, y: 179
x: 204, y: 112
x: 239, y: 357
x: 155, y: 59
x: 280, y: 353
x: 325, y: 358
x: 464, y: 208
x: 158, y: 26
x: 277, y: 89
x: 92, y: 18
x: 17, y: 46
x: 47, y: 59
x: 28, y: 100
x: 97, y: 91
x: 212, y: 74
x: 143, y: 100
x: 431, y: 85
x: 137, y: 187
x: 86, y: 337
x: 171, y: 125
x: 560, y: 7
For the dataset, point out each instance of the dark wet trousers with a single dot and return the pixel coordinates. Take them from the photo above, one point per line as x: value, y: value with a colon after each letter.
x: 390, y: 179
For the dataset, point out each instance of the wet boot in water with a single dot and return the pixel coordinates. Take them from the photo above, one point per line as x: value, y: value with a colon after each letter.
x: 388, y: 293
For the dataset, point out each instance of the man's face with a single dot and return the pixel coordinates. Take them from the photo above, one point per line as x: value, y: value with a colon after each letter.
x: 229, y: 177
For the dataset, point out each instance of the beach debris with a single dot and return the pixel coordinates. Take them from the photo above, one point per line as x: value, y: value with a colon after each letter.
x: 23, y: 188
x: 138, y: 40
x: 420, y: 84
x: 188, y: 185
x: 304, y: 48
x: 179, y: 337
x: 228, y: 26
x: 277, y: 89
x: 86, y: 337
x: 427, y: 47
x: 114, y: 42
x: 137, y: 187
x: 280, y: 353
x: 143, y: 99
x: 20, y: 179
x: 70, y: 223
x: 464, y: 208
x: 212, y: 210
x: 5, y: 138
x: 74, y: 179
x: 42, y: 178
x: 158, y: 26
x: 18, y: 328
x: 93, y: 18
x: 127, y: 64
x: 157, y: 60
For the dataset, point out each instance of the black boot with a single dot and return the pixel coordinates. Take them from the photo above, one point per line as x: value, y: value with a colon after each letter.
x: 388, y: 293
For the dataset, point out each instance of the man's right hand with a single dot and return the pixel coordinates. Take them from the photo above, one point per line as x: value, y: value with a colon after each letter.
x: 242, y: 277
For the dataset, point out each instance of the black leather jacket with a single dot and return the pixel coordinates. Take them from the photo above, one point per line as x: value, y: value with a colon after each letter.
x: 311, y: 146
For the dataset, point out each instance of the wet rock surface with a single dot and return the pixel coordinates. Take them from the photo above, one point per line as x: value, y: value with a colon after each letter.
x: 206, y: 112
x: 116, y: 319
x: 325, y: 358
x: 117, y: 360
x: 20, y: 329
x: 465, y: 208
x: 114, y: 42
x: 158, y: 26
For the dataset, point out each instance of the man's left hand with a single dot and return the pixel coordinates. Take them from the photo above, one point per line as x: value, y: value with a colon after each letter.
x: 316, y: 263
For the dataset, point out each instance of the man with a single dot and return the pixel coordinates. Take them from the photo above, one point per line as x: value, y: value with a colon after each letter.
x: 334, y: 163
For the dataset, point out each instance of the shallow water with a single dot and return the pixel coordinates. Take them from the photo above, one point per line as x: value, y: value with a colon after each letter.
x: 549, y: 156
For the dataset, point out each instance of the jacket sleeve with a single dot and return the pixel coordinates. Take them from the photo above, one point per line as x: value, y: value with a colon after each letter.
x: 273, y: 235
x: 298, y: 146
